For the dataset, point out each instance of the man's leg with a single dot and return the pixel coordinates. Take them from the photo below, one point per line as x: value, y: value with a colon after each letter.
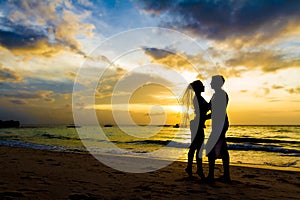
x: 211, y: 163
x: 225, y: 160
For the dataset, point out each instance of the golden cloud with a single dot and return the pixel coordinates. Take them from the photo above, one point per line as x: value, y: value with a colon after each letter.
x: 45, y: 95
x: 197, y: 64
x: 266, y: 60
x: 52, y: 25
x: 40, y: 48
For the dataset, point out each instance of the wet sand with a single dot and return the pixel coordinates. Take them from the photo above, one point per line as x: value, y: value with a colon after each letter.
x: 40, y: 174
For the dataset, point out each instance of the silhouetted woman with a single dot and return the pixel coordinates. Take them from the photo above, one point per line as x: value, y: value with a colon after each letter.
x: 200, y: 106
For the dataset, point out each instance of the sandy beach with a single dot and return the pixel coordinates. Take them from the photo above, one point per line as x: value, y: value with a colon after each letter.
x: 40, y: 174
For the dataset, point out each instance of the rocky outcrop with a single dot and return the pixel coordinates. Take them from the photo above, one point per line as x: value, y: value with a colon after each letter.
x: 9, y: 124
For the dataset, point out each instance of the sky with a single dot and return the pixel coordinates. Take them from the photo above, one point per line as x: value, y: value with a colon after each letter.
x: 140, y: 55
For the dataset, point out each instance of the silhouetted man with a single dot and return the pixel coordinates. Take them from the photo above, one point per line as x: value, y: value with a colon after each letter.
x: 217, y: 141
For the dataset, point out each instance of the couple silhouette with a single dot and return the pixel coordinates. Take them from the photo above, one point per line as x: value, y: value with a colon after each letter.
x: 216, y: 146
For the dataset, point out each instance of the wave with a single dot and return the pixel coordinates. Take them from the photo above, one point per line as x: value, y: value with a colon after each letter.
x: 288, y: 164
x: 168, y: 143
x: 248, y: 147
x: 17, y: 143
x: 49, y: 136
x: 284, y: 131
x: 259, y: 140
x: 228, y: 139
x: 240, y: 147
x: 162, y: 143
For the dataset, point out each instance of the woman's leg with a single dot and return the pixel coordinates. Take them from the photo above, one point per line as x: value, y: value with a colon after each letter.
x: 199, y: 167
x: 189, y: 168
x: 199, y: 156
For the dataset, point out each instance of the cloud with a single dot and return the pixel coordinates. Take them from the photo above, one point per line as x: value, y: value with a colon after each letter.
x: 71, y: 75
x: 37, y: 95
x: 36, y: 89
x: 294, y: 90
x: 174, y: 59
x: 167, y: 58
x: 156, y: 53
x: 126, y: 81
x: 262, y: 37
x: 262, y: 92
x: 85, y: 3
x: 42, y: 27
x: 8, y: 75
x: 223, y: 19
x: 155, y: 8
x: 276, y: 87
x: 198, y: 65
x: 273, y: 100
x: 266, y: 60
x: 39, y: 48
x: 266, y: 91
x: 18, y: 101
x: 61, y: 86
x: 14, y: 35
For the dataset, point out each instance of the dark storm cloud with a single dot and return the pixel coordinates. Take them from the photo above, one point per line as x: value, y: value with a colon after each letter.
x: 221, y: 19
x: 41, y: 27
x: 156, y: 7
x: 18, y: 36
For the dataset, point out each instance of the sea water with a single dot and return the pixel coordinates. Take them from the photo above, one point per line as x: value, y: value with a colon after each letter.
x: 259, y: 146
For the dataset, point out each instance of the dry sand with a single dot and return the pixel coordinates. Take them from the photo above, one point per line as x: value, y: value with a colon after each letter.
x: 38, y: 174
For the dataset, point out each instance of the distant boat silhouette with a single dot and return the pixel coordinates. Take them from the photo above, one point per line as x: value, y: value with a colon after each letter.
x: 108, y: 125
x: 165, y: 125
x: 9, y: 124
x: 176, y: 126
x: 73, y: 126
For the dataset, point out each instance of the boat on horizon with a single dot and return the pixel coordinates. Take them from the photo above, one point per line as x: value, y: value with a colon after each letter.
x: 73, y: 126
x: 108, y: 125
x: 176, y: 126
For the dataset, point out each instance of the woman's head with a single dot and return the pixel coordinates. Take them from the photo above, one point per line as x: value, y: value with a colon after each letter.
x: 197, y: 86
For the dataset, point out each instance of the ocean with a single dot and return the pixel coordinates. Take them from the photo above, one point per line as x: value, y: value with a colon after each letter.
x: 259, y: 146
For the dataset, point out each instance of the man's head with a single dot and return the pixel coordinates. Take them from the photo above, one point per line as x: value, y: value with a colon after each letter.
x: 217, y: 82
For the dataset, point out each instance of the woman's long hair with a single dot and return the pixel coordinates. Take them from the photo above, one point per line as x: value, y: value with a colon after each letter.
x: 187, y: 106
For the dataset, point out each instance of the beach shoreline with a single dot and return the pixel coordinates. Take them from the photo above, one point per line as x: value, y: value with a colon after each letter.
x: 31, y: 174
